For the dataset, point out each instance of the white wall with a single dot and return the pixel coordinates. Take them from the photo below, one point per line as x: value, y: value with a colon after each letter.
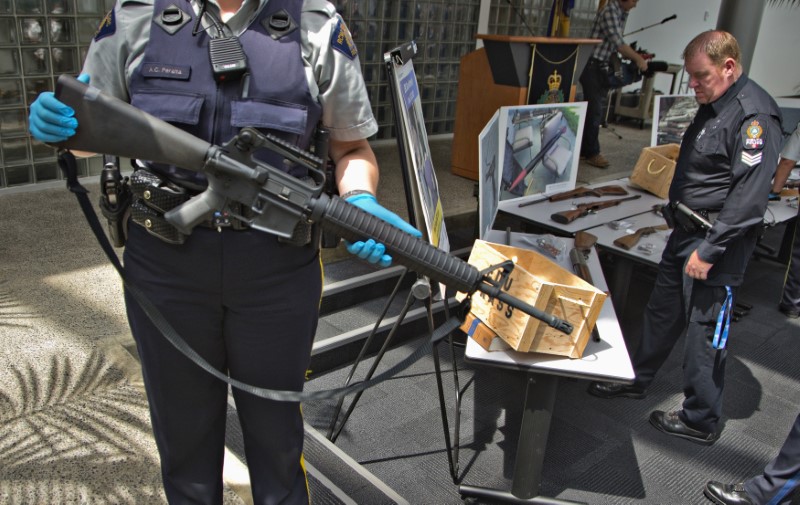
x: 776, y: 59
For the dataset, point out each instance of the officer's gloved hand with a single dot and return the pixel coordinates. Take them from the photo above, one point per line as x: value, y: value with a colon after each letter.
x: 50, y: 119
x: 774, y: 196
x: 370, y: 250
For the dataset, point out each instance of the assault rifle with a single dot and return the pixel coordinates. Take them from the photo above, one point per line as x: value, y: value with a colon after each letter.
x: 277, y: 200
x: 629, y: 241
x: 585, y: 209
x: 613, y: 190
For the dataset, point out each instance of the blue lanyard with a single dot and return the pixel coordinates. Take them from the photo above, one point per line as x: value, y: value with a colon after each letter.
x: 723, y: 321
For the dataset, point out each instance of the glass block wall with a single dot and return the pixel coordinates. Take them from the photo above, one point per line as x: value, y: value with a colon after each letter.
x: 40, y: 39
x: 531, y: 17
x: 444, y: 31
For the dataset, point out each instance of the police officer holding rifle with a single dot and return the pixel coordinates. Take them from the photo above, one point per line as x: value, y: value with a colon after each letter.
x: 722, y: 178
x: 245, y: 300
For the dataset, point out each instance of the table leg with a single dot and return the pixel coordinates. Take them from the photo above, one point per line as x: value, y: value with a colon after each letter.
x: 540, y: 397
x: 623, y: 269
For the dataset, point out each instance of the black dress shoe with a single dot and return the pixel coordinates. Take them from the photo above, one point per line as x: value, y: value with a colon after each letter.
x: 789, y: 312
x: 671, y: 424
x: 616, y: 390
x: 727, y: 494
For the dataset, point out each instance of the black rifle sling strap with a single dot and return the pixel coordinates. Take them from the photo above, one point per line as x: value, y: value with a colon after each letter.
x: 68, y: 165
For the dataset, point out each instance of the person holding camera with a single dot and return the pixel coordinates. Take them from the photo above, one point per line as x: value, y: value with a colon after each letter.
x: 608, y: 26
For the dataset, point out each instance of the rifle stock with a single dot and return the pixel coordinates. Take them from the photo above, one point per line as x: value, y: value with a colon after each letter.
x: 578, y: 193
x: 628, y: 242
x: 612, y: 190
x: 279, y: 200
x: 585, y: 209
x: 103, y: 119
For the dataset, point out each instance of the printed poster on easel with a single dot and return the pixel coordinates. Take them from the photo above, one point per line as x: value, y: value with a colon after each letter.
x: 672, y: 115
x: 488, y: 175
x: 414, y: 145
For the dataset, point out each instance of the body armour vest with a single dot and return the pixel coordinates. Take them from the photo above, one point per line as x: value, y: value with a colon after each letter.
x: 175, y: 83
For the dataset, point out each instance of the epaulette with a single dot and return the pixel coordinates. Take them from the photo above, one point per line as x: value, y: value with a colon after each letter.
x: 144, y: 2
x: 319, y: 6
x: 745, y: 97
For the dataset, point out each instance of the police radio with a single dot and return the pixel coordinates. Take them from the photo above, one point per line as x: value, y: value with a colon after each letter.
x: 228, y: 61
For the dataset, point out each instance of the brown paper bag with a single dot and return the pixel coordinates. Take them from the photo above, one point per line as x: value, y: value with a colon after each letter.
x: 655, y: 168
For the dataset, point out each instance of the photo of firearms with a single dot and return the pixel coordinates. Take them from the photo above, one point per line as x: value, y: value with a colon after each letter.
x: 628, y: 242
x: 536, y: 159
x: 612, y: 190
x: 585, y: 209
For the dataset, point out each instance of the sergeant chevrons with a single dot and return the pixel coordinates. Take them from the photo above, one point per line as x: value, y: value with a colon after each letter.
x: 175, y: 83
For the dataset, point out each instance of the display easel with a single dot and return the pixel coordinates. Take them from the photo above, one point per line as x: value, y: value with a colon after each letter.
x: 421, y: 190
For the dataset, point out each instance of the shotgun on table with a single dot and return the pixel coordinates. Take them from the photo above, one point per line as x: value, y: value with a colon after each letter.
x: 612, y: 190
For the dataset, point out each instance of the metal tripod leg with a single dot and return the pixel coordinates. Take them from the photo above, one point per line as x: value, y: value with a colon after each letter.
x: 421, y: 290
x: 452, y: 448
x: 608, y: 109
x: 333, y: 432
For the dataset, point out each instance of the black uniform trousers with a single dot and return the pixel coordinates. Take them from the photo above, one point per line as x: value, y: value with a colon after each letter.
x: 781, y: 477
x: 249, y: 306
x: 594, y: 80
x: 678, y: 305
x: 791, y: 288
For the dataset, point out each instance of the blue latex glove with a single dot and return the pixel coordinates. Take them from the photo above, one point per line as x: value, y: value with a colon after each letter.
x: 370, y: 250
x: 774, y: 196
x: 50, y: 119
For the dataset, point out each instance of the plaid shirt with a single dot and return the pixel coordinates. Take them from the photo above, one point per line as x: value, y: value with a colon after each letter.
x: 608, y: 25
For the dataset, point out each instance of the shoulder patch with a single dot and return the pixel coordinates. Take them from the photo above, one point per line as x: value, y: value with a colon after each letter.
x: 342, y: 41
x: 107, y: 26
x: 753, y: 135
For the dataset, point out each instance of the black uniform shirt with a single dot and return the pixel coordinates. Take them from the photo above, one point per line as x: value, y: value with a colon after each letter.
x: 726, y: 163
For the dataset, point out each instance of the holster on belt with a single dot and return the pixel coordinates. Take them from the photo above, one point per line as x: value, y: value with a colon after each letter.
x: 115, y: 200
x: 153, y: 196
x: 680, y: 216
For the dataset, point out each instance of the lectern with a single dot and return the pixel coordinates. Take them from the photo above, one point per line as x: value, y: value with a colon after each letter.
x: 510, y: 70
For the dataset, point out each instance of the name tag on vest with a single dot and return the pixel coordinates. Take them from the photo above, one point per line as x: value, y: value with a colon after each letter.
x: 166, y: 71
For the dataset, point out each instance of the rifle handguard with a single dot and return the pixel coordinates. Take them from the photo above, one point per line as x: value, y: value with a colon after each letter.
x: 353, y: 224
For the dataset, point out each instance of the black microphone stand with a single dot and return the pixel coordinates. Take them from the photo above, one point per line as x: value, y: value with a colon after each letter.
x: 670, y: 18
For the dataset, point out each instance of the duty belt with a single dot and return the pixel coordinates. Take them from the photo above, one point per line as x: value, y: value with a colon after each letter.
x: 154, y: 196
x: 678, y: 215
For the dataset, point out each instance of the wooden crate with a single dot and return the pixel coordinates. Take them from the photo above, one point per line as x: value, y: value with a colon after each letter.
x: 481, y: 334
x: 547, y: 286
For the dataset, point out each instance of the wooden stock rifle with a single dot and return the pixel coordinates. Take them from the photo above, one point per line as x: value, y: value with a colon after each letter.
x: 585, y: 209
x: 611, y: 190
x: 629, y: 241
